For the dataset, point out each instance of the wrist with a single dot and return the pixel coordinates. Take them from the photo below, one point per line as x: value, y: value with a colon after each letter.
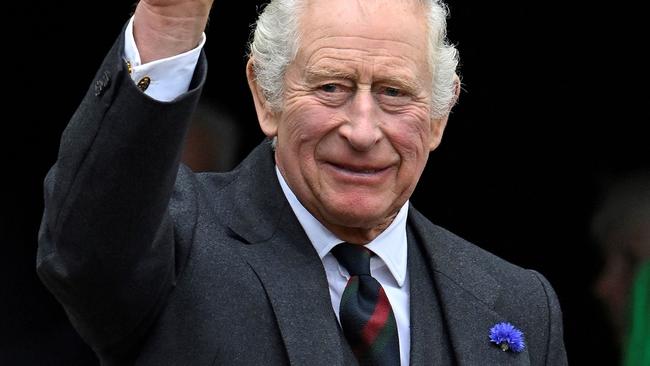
x: 160, y: 34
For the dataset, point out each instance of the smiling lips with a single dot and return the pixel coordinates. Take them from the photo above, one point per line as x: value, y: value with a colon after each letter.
x: 359, y: 173
x: 358, y: 170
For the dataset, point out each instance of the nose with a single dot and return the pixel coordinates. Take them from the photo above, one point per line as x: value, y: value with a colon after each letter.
x: 361, y: 129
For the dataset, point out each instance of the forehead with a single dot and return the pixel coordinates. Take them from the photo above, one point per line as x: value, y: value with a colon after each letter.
x: 359, y: 28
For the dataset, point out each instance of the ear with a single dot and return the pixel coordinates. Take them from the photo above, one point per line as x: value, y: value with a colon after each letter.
x: 437, y: 128
x: 265, y: 115
x: 438, y: 124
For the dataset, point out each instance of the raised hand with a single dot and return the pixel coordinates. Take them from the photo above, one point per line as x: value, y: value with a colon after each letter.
x: 164, y: 28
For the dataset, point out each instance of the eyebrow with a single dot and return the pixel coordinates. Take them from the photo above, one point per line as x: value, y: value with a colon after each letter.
x: 403, y: 83
x: 319, y: 73
x: 314, y: 74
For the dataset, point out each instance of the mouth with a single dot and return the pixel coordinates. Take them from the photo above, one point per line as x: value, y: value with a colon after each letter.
x: 357, y: 170
x: 358, y: 174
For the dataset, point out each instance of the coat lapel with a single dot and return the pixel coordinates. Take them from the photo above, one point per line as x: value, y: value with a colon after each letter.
x: 428, y: 336
x: 286, y: 263
x: 467, y: 295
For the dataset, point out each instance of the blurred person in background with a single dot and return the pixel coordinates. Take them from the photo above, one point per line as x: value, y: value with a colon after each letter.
x: 621, y: 226
x: 213, y: 138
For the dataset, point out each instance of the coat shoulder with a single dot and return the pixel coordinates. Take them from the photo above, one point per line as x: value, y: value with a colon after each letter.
x: 462, y: 260
x: 466, y: 273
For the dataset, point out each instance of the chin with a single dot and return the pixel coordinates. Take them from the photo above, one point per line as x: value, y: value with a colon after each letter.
x: 362, y: 216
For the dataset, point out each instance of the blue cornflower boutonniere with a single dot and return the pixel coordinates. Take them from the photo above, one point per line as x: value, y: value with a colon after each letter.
x: 507, y: 337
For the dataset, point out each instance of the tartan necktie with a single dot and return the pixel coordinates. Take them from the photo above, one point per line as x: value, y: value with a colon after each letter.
x: 366, y: 315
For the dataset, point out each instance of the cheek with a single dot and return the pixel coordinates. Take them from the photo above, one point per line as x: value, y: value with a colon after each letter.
x: 304, y: 123
x: 409, y: 135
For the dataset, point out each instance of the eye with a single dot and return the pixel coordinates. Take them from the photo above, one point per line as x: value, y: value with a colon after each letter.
x: 393, y: 97
x: 392, y: 92
x: 330, y: 88
x: 333, y: 94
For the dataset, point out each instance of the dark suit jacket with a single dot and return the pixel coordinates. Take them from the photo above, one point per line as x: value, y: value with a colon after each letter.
x: 156, y: 265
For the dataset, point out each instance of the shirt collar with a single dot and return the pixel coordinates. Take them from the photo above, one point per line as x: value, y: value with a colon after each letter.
x: 390, y: 245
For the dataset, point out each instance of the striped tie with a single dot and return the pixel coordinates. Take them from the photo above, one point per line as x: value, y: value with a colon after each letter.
x: 366, y: 315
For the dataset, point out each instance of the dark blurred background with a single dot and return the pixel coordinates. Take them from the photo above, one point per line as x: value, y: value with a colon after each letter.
x: 553, y: 108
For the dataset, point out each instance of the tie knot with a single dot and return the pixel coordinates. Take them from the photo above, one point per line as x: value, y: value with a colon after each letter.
x: 354, y: 257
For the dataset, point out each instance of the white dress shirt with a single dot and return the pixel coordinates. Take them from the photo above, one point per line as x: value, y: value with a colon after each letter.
x: 170, y: 77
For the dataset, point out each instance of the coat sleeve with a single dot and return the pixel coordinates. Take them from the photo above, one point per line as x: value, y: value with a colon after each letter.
x: 108, y: 249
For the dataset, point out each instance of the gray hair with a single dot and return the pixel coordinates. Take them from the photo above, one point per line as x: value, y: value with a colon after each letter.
x: 276, y: 38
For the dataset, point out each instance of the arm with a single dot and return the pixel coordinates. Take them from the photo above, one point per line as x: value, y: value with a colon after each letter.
x: 107, y: 247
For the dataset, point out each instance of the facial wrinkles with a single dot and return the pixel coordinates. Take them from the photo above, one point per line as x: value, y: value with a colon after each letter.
x: 361, y: 67
x: 389, y: 62
x: 348, y: 48
x: 359, y: 37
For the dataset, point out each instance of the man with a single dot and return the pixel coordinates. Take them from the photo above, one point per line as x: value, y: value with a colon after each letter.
x: 309, y: 252
x: 621, y: 226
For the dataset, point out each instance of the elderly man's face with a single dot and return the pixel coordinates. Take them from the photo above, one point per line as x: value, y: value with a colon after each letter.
x: 356, y: 128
